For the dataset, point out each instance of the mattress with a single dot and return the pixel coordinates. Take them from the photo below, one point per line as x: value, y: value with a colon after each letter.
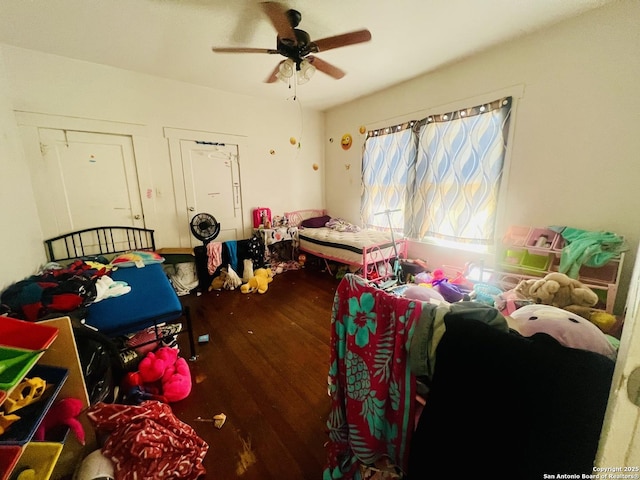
x: 346, y: 247
x: 152, y: 300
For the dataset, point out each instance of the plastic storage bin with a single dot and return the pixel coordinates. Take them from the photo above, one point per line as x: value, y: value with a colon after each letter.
x: 535, y: 262
x: 31, y: 415
x: 40, y: 458
x: 525, y: 262
x: 28, y: 335
x: 542, y: 238
x: 15, y: 364
x: 511, y: 260
x: 9, y: 455
x: 516, y: 235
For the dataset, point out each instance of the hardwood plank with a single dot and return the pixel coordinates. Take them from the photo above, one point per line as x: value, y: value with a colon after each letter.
x: 265, y: 367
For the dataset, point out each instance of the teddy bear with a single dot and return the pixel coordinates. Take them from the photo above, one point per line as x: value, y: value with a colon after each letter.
x: 219, y: 280
x: 259, y: 282
x: 558, y: 290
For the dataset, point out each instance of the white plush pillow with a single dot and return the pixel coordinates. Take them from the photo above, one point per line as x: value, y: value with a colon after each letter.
x: 569, y: 329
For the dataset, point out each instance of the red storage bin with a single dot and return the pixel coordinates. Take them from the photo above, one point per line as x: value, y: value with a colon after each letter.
x: 26, y: 335
x: 258, y: 214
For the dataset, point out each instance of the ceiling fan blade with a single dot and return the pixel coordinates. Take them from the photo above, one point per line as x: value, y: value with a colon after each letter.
x: 242, y: 50
x: 326, y: 67
x: 277, y: 13
x: 274, y: 75
x: 351, y: 38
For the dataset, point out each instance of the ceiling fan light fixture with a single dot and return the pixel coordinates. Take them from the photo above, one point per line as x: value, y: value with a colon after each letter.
x: 306, y: 72
x: 286, y: 70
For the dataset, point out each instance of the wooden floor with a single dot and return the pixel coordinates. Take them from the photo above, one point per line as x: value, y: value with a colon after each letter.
x: 265, y: 367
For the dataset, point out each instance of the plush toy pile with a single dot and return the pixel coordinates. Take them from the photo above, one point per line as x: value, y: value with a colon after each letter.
x: 162, y: 375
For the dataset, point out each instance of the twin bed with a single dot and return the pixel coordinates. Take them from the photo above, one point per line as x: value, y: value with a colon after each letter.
x: 371, y: 252
x: 152, y: 300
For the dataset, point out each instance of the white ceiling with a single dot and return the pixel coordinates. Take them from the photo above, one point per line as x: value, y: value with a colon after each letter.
x: 173, y: 38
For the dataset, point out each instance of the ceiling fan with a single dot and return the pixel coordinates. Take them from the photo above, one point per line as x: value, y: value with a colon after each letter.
x: 296, y: 45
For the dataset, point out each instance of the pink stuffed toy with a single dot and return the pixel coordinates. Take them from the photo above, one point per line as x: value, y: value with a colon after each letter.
x: 176, y: 381
x: 63, y: 412
x: 154, y: 364
x: 171, y: 371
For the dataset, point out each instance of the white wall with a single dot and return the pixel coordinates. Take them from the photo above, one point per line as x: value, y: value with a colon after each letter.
x: 21, y: 250
x: 53, y: 85
x: 574, y: 157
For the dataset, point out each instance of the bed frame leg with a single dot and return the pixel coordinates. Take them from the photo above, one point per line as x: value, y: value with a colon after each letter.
x: 326, y: 264
x: 192, y: 343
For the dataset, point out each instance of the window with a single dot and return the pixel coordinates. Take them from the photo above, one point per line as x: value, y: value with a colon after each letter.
x: 445, y: 174
x: 387, y: 170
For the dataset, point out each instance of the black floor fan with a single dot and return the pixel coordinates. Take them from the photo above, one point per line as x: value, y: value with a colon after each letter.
x: 205, y: 228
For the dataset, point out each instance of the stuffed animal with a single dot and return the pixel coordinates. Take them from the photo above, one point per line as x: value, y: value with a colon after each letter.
x: 247, y: 271
x: 176, y: 381
x: 63, y: 412
x: 154, y: 364
x: 259, y: 282
x: 162, y: 373
x: 603, y: 320
x: 218, y: 281
x: 558, y: 290
x: 232, y: 281
x: 569, y: 329
x: 423, y: 293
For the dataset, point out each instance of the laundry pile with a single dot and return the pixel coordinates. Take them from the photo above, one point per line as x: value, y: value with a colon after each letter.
x: 148, y: 441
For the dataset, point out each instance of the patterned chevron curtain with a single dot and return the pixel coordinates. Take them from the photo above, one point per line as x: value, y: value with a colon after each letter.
x: 387, y: 171
x: 457, y: 173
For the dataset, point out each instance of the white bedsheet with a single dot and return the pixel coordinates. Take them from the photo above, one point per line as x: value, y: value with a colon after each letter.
x: 344, y: 246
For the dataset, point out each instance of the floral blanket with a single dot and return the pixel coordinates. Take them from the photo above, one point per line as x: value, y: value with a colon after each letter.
x: 371, y: 386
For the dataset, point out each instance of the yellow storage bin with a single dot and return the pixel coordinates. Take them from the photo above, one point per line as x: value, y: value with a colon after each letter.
x: 41, y: 458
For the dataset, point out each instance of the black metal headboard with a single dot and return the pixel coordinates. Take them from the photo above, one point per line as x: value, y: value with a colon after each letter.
x: 99, y: 241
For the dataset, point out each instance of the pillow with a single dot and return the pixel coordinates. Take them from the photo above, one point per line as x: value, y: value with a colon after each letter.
x: 568, y: 328
x: 136, y: 259
x: 315, y: 222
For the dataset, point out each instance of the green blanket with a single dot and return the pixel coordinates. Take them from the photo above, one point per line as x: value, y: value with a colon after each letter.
x: 589, y: 248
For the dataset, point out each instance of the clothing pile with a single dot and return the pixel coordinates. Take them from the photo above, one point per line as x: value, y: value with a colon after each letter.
x: 55, y: 290
x: 148, y: 441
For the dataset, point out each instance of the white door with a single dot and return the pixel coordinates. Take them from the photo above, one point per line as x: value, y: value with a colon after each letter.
x: 93, y: 179
x: 620, y: 439
x: 212, y: 185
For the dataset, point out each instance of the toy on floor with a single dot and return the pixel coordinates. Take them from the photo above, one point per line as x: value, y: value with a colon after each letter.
x: 218, y: 281
x: 259, y: 282
x: 233, y: 281
x: 162, y: 375
x: 63, y: 412
x: 176, y: 381
x: 247, y: 271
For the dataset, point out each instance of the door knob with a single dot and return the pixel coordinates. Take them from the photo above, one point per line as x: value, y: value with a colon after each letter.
x: 191, y: 209
x: 137, y: 217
